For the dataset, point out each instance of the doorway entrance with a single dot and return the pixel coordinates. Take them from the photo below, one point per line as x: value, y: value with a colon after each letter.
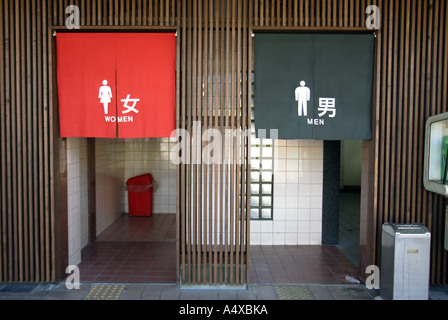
x: 114, y: 246
x: 350, y: 199
x: 342, y: 197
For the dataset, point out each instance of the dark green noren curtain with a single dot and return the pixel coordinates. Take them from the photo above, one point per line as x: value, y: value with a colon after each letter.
x: 314, y: 86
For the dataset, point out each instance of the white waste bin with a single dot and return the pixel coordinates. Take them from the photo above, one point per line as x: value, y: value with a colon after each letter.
x: 405, y: 262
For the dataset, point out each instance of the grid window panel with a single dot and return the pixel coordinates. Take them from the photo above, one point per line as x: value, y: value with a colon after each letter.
x: 262, y: 179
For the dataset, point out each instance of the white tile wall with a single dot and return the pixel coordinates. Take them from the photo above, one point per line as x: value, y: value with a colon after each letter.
x: 151, y: 155
x: 298, y: 181
x: 297, y: 209
x: 109, y: 181
x: 116, y: 160
x: 77, y: 198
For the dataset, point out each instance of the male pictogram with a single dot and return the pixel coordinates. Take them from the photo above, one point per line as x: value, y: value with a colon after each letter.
x: 302, y: 97
x: 129, y: 108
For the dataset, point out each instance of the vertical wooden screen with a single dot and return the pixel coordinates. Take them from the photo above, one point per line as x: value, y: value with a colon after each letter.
x: 29, y: 156
x: 215, y: 64
x: 412, y: 83
x: 214, y: 206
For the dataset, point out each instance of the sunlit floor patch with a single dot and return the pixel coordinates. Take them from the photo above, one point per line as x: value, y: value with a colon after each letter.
x: 294, y: 293
x: 105, y: 292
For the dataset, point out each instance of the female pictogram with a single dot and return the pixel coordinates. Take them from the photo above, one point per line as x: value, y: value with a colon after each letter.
x: 106, y: 96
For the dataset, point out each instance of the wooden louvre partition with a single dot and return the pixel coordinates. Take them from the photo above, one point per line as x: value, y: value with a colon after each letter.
x: 214, y: 218
x: 215, y: 57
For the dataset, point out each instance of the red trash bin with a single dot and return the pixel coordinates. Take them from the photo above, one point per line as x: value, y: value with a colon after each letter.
x: 140, y: 195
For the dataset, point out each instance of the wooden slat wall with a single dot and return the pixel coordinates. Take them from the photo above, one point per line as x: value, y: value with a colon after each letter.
x: 215, y: 49
x: 411, y: 85
x: 214, y: 67
x: 26, y: 200
x: 32, y: 222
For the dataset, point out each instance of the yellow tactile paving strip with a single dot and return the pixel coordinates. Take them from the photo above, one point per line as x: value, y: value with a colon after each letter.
x: 105, y: 292
x: 294, y: 293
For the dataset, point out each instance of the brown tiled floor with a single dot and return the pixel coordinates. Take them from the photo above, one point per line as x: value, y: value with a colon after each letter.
x: 119, y: 261
x: 299, y: 264
x: 133, y: 249
x: 158, y: 227
x: 137, y: 250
